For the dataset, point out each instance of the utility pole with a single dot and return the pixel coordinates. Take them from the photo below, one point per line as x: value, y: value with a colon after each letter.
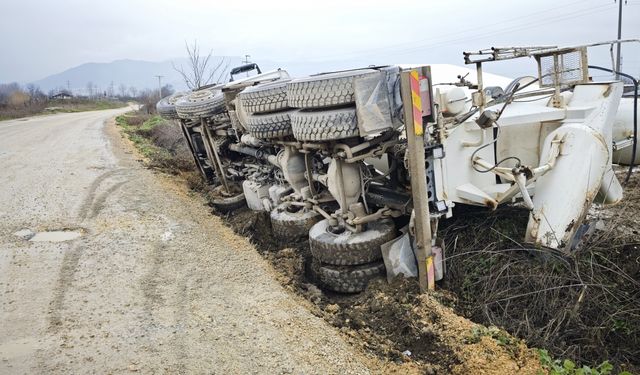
x: 619, y: 36
x: 246, y: 61
x: 159, y: 86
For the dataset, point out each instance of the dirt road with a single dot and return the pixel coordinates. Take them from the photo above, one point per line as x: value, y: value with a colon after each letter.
x: 153, y: 284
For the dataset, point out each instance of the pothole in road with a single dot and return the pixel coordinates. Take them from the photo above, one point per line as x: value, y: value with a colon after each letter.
x: 50, y: 236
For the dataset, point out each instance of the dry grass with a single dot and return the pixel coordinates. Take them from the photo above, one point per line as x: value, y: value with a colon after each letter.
x: 160, y: 141
x: 585, y: 306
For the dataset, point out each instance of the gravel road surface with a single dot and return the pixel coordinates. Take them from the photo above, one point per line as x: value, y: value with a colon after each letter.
x: 136, y: 275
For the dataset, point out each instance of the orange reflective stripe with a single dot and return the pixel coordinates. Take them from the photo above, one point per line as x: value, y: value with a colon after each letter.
x: 431, y: 274
x: 416, y: 102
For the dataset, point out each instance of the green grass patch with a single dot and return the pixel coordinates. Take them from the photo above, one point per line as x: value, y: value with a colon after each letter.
x: 159, y: 141
x: 568, y: 367
x: 139, y: 128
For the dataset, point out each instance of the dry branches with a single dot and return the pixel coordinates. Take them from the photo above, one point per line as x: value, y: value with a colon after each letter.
x: 585, y: 306
x: 201, y: 70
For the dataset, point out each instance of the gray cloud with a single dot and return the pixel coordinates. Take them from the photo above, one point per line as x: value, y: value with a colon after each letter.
x: 45, y: 37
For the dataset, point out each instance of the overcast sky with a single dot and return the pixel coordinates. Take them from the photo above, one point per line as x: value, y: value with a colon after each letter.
x: 40, y: 38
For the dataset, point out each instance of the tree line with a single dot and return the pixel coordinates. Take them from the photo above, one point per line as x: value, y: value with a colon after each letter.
x: 17, y: 100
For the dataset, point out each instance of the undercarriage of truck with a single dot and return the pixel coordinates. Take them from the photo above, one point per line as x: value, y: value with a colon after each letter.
x: 366, y: 162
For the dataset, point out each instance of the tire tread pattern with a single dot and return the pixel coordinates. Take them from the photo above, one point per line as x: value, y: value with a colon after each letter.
x: 326, y: 90
x: 268, y: 126
x: 187, y: 109
x: 331, y: 249
x: 270, y: 98
x: 292, y: 226
x: 166, y: 107
x: 325, y: 125
x: 351, y: 279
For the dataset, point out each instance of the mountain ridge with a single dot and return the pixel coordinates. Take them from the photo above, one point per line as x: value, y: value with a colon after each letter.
x: 140, y: 74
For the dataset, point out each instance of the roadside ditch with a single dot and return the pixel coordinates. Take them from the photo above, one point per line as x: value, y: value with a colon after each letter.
x: 585, y: 308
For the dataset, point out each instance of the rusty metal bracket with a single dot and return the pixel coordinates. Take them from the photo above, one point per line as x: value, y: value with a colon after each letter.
x: 213, y: 153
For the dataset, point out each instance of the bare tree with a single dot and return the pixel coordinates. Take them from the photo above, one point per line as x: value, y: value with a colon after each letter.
x: 32, y: 89
x: 90, y: 88
x: 148, y: 98
x: 133, y: 91
x: 123, y: 90
x: 110, y: 90
x: 167, y: 90
x: 35, y: 94
x: 201, y: 70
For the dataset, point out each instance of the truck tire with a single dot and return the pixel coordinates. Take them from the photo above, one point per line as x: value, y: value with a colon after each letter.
x: 325, y: 125
x: 290, y: 223
x: 166, y: 107
x: 272, y: 125
x: 226, y: 204
x: 269, y: 97
x: 324, y: 90
x: 199, y: 104
x: 347, y: 279
x: 348, y: 248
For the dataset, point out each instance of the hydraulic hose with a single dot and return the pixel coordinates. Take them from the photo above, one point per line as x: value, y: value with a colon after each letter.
x: 246, y: 150
x: 256, y: 153
x: 635, y: 116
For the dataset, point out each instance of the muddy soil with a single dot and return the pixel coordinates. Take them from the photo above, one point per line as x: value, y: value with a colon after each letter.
x: 395, y: 322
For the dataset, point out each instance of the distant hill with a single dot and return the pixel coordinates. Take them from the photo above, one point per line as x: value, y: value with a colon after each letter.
x: 131, y: 73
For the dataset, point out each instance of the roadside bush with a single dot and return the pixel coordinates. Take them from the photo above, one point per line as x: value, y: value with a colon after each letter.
x: 137, y: 120
x: 168, y: 136
x: 159, y: 140
x: 584, y: 306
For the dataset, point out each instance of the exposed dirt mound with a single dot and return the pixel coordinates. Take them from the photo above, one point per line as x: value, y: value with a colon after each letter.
x: 414, y: 331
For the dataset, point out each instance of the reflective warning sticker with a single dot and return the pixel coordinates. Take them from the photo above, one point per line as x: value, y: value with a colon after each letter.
x: 431, y: 274
x: 417, y: 103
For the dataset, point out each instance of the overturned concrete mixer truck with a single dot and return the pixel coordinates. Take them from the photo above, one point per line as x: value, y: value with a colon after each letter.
x: 366, y: 162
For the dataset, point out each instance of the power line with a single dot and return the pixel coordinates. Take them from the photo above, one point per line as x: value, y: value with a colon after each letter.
x: 513, y: 28
x: 500, y: 31
x: 159, y: 86
x: 618, y: 50
x: 246, y: 61
x: 473, y: 30
x: 472, y: 34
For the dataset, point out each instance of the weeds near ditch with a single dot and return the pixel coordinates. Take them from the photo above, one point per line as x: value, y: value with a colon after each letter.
x: 584, y: 306
x: 158, y: 140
